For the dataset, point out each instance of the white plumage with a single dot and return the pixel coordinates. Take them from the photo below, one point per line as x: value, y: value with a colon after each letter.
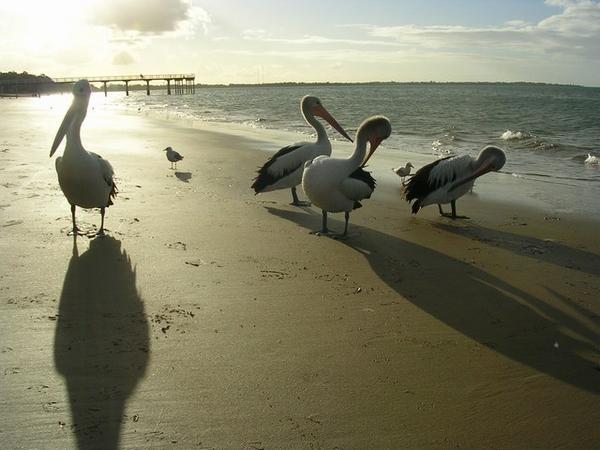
x: 339, y: 184
x: 85, y: 178
x: 284, y: 169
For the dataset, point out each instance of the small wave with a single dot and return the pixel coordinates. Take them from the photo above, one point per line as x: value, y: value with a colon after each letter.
x: 256, y: 123
x: 509, y: 135
x: 592, y: 160
x: 437, y: 149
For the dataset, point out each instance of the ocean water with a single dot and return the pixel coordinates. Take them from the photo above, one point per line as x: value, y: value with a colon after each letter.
x: 551, y: 134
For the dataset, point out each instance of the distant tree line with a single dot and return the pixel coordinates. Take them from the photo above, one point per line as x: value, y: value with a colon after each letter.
x: 13, y: 83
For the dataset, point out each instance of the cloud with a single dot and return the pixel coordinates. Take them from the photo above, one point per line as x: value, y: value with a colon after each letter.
x: 573, y: 32
x: 144, y: 16
x: 149, y: 17
x: 123, y: 58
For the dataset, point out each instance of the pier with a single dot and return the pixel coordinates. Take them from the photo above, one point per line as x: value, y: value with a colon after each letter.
x: 176, y: 83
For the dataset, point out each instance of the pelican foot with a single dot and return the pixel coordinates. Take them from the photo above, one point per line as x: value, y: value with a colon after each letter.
x: 76, y: 232
x: 450, y: 216
x: 301, y: 203
x: 327, y: 233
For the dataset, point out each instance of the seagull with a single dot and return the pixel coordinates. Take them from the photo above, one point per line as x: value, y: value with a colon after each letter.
x: 403, y: 172
x: 173, y: 156
x: 447, y: 179
x: 86, y: 179
x: 284, y: 169
x: 338, y: 184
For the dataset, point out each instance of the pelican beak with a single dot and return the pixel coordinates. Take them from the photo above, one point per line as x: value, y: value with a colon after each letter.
x: 323, y: 113
x: 374, y: 144
x: 483, y: 169
x: 62, y: 130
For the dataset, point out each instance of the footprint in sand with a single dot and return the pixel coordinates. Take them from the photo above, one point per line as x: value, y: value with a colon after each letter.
x: 177, y: 245
x: 12, y: 222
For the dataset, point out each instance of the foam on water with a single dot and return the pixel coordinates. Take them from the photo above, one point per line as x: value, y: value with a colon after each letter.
x: 592, y: 160
x: 509, y: 135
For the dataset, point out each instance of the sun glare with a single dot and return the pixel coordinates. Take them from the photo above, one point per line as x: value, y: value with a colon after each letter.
x: 51, y: 26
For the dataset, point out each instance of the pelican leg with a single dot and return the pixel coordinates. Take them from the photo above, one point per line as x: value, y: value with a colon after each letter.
x: 453, y: 214
x: 442, y: 213
x: 345, y: 234
x: 295, y: 200
x: 347, y: 217
x: 324, y: 230
x: 76, y: 231
x: 101, y: 230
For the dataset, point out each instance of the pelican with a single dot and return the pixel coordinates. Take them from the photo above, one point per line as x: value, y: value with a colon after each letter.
x: 84, y: 177
x: 447, y: 179
x: 403, y: 172
x: 284, y: 169
x: 338, y: 184
x: 173, y: 156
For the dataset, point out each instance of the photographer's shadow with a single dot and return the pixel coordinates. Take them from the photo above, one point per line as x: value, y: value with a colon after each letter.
x: 101, y: 343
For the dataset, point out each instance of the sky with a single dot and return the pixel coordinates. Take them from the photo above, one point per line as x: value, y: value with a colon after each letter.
x: 244, y: 41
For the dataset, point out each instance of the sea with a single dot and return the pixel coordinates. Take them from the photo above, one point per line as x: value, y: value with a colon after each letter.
x: 550, y: 133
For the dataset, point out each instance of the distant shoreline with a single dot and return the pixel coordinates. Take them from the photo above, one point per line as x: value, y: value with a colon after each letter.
x: 160, y: 87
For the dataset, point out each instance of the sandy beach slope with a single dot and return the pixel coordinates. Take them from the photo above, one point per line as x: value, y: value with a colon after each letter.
x: 211, y: 318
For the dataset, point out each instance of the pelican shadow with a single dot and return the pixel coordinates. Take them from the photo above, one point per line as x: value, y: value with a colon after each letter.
x: 101, y: 343
x: 485, y: 308
x: 184, y: 176
x: 547, y: 251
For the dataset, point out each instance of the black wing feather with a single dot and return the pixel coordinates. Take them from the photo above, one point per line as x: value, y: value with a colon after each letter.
x: 418, y: 186
x: 364, y: 176
x: 264, y: 178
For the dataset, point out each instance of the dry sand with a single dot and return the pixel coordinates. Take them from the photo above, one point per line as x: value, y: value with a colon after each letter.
x: 211, y: 318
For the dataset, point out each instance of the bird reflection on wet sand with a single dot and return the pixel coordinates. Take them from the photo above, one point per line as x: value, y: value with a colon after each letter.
x: 101, y: 344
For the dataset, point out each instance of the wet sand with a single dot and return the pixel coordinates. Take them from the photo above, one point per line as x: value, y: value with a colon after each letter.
x: 210, y: 317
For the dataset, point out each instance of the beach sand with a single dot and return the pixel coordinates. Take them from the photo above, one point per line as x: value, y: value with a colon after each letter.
x: 210, y: 318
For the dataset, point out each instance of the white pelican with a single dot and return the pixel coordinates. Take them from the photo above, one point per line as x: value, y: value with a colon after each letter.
x: 403, y: 172
x: 284, y: 169
x: 173, y: 156
x: 84, y: 177
x: 447, y: 179
x: 338, y: 184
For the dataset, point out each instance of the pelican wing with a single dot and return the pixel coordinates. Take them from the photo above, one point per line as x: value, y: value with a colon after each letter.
x: 107, y: 173
x: 419, y: 186
x: 285, y: 161
x: 359, y: 185
x: 449, y: 170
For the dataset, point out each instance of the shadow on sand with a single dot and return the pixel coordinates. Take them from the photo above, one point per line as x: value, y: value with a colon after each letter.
x: 483, y: 307
x: 547, y: 251
x: 184, y: 176
x: 101, y: 344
